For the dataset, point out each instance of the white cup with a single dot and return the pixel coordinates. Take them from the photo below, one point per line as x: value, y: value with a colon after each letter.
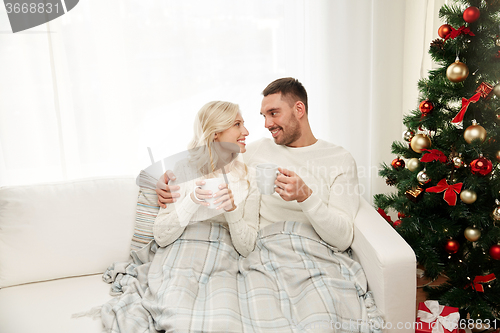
x: 212, y: 184
x: 266, y: 174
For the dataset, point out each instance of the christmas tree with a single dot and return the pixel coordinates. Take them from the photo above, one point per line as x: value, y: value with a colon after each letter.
x: 447, y: 171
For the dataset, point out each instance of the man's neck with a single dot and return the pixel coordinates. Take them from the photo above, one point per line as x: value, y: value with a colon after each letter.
x: 303, y: 141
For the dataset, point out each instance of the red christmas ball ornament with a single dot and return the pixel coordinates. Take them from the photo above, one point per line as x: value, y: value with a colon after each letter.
x: 495, y: 252
x: 481, y: 166
x: 396, y: 223
x: 426, y: 107
x: 452, y: 246
x: 471, y: 14
x: 398, y: 163
x: 444, y: 30
x: 401, y: 215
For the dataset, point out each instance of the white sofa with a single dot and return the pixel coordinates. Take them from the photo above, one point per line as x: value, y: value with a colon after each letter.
x: 56, y: 240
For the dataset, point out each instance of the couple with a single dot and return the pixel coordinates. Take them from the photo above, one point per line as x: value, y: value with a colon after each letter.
x: 258, y: 263
x: 307, y: 164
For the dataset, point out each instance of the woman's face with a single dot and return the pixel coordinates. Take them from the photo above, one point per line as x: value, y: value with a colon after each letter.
x: 235, y: 134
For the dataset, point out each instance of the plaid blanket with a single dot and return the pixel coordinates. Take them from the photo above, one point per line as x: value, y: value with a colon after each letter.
x: 292, y: 282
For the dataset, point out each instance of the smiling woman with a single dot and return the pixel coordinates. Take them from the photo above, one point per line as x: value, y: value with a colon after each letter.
x: 84, y: 95
x: 235, y: 134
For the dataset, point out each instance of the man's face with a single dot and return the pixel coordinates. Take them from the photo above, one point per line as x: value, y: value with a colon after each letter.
x: 280, y: 120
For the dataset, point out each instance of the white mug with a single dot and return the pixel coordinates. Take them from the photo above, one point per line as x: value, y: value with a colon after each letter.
x: 212, y: 184
x: 266, y: 174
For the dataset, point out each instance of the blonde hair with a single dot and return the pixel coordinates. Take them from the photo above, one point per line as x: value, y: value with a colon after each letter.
x: 214, y: 117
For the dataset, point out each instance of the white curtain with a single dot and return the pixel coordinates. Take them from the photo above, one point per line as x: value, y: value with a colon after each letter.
x: 85, y: 94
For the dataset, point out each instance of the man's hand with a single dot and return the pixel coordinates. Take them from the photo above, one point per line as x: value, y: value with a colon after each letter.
x: 291, y: 187
x: 165, y: 192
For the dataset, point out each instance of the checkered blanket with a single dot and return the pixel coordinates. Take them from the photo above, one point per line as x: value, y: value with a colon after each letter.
x: 292, y: 282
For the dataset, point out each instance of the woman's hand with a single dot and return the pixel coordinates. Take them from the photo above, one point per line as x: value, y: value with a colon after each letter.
x: 226, y: 198
x: 198, y: 194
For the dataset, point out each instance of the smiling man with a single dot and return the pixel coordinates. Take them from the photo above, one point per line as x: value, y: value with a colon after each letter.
x: 277, y: 108
x: 318, y: 183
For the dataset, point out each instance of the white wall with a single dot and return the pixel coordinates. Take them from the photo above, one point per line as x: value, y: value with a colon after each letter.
x: 85, y: 94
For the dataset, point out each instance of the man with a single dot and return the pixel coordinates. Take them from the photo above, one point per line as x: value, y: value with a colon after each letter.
x: 318, y: 182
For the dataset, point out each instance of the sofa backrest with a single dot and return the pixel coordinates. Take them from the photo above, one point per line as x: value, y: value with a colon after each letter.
x: 72, y: 228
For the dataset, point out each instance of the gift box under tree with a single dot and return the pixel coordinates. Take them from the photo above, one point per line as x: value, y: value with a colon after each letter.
x: 435, y: 318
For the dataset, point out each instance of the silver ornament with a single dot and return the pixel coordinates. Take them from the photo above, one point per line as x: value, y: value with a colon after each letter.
x: 422, y: 177
x: 408, y: 135
x: 496, y: 214
x: 458, y: 162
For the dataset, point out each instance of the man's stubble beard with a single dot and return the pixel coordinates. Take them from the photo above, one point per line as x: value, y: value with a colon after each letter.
x: 292, y: 133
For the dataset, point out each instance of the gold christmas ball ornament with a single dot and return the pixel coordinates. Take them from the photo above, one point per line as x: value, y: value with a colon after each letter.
x: 457, y: 72
x: 472, y: 233
x: 419, y: 142
x: 497, y: 41
x: 468, y: 196
x: 413, y: 164
x: 497, y: 156
x: 496, y: 90
x: 474, y: 132
x: 422, y: 177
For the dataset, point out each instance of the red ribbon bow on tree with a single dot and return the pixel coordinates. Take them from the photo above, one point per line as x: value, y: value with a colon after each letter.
x: 451, y: 191
x: 434, y: 155
x: 476, y: 284
x: 465, y: 104
x: 457, y: 32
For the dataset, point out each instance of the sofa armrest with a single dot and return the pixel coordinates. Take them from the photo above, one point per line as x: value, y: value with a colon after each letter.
x: 390, y: 267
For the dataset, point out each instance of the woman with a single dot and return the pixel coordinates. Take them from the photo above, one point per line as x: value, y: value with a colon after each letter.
x: 187, y: 281
x: 192, y: 279
x: 216, y: 123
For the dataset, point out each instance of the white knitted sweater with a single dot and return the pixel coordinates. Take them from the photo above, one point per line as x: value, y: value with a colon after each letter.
x: 242, y: 222
x: 331, y: 173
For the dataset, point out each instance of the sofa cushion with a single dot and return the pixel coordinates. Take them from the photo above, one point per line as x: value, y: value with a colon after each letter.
x: 56, y: 230
x: 48, y: 307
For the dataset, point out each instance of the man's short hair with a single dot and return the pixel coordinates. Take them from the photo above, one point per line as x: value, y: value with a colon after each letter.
x: 291, y: 90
